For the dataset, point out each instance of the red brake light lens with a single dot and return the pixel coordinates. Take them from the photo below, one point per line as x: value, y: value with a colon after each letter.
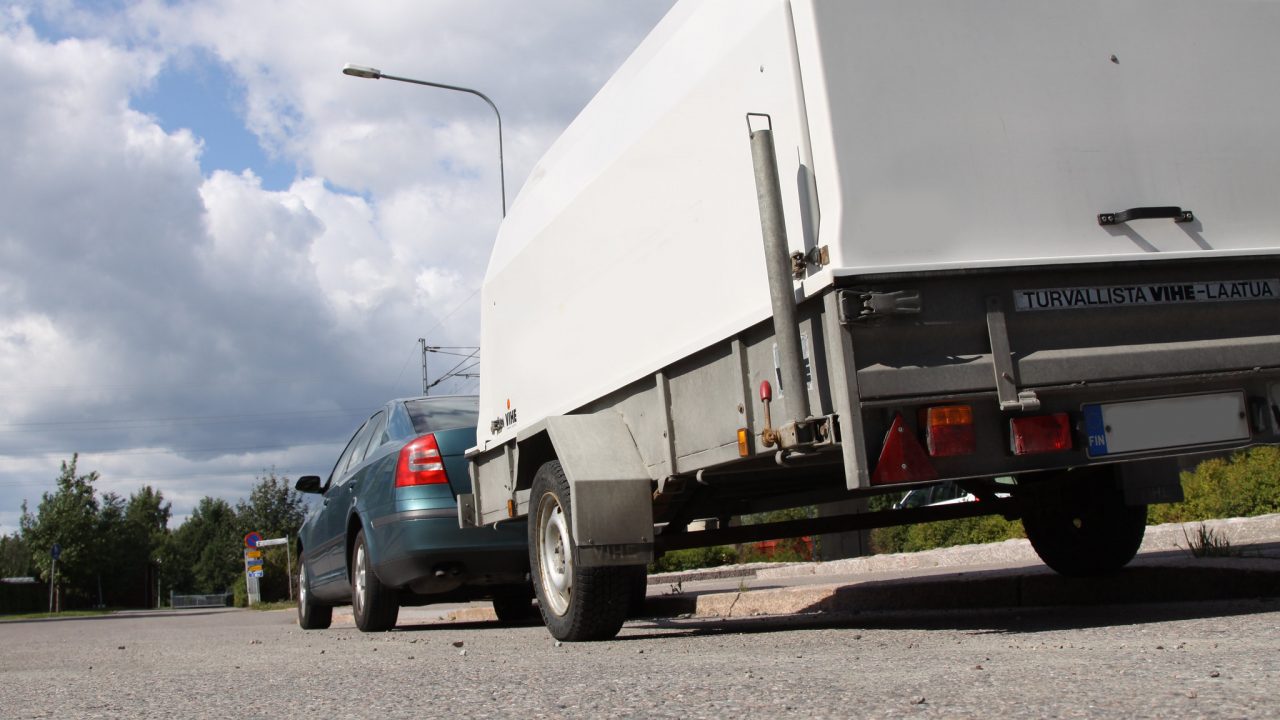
x: 420, y: 463
x: 1040, y: 434
x: 949, y: 431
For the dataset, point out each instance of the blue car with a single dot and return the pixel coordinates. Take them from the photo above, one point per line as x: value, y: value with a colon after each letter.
x: 386, y: 533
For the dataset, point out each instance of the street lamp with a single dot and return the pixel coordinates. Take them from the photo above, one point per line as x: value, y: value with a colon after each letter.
x: 361, y: 71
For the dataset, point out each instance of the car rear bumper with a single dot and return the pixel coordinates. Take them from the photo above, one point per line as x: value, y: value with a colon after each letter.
x: 426, y: 552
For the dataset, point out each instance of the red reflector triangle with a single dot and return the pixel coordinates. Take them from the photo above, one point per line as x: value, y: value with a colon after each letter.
x: 902, y: 459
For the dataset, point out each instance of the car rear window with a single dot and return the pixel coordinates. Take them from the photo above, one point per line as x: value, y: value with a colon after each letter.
x: 442, y: 413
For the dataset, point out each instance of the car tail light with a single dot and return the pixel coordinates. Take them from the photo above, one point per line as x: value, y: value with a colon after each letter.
x: 902, y: 459
x: 420, y: 463
x: 949, y: 431
x: 1040, y: 434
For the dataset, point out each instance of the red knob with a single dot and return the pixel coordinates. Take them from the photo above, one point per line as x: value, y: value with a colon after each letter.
x: 766, y: 391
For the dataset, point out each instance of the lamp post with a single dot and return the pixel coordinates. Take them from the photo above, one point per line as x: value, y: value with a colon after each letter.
x: 361, y: 71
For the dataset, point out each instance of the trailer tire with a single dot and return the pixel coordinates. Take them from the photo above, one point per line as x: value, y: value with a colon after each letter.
x: 1083, y: 527
x: 577, y: 603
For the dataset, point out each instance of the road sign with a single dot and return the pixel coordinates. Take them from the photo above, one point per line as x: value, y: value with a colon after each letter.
x: 253, y: 553
x: 252, y: 539
x: 56, y: 551
x: 272, y: 541
x: 256, y: 569
x: 255, y: 573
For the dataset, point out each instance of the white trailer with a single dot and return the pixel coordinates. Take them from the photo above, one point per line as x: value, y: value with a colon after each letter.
x: 806, y: 251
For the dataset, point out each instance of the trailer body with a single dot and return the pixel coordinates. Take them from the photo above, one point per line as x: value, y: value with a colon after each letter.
x: 1028, y: 239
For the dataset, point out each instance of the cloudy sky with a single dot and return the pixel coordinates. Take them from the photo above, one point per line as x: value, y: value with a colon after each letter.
x: 217, y: 252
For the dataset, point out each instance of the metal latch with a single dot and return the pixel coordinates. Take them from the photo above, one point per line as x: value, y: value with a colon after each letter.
x: 868, y: 305
x: 800, y: 261
x: 1011, y: 399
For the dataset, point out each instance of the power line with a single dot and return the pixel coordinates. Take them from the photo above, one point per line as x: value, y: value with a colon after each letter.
x: 137, y: 422
x: 170, y: 451
x: 176, y: 477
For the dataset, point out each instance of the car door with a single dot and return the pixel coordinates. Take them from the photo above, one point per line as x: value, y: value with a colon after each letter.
x: 354, y: 483
x: 327, y: 554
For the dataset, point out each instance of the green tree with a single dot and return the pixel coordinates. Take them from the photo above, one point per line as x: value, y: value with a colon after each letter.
x: 111, y: 551
x: 133, y: 535
x: 203, y: 554
x: 274, y: 509
x: 68, y: 517
x: 15, y: 556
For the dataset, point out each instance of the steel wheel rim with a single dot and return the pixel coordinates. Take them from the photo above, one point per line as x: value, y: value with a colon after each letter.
x: 361, y: 580
x: 555, y: 560
x: 302, y: 587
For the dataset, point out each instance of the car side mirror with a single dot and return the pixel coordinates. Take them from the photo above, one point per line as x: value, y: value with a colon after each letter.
x: 309, y: 484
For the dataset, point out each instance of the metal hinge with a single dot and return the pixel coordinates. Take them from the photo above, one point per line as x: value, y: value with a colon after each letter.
x: 866, y: 305
x: 800, y: 261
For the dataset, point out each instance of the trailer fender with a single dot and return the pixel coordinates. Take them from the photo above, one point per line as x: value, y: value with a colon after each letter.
x: 611, y: 491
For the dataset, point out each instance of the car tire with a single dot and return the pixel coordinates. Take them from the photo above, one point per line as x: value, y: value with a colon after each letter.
x: 374, y: 605
x: 311, y: 614
x: 577, y: 603
x: 513, y: 604
x: 1081, y: 526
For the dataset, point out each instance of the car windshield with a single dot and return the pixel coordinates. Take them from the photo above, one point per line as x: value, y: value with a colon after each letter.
x: 442, y: 413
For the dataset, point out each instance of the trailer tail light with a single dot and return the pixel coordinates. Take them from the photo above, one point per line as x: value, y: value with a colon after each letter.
x: 420, y: 463
x: 1040, y: 434
x: 948, y: 431
x: 902, y: 459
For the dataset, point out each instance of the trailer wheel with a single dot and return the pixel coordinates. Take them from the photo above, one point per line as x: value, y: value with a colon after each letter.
x: 1082, y: 527
x: 578, y: 603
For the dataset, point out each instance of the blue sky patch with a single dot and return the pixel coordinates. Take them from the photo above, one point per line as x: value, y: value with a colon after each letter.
x: 203, y: 96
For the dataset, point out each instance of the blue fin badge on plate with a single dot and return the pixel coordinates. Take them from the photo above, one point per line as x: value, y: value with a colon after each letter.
x: 1096, y: 430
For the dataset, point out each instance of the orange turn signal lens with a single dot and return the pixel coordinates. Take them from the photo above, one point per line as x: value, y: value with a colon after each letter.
x: 949, y: 431
x: 744, y: 445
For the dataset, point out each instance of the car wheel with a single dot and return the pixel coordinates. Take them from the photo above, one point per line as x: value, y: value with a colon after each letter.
x: 374, y: 605
x: 311, y: 615
x: 577, y: 603
x: 1082, y: 527
x: 513, y: 604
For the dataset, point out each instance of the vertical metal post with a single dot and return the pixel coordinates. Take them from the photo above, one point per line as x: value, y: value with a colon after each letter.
x: 53, y: 581
x: 777, y: 259
x: 422, y: 343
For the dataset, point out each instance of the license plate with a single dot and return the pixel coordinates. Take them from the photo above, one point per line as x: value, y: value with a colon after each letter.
x: 1126, y: 427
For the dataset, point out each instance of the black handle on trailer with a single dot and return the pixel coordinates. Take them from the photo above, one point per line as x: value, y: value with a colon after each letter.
x: 1146, y: 213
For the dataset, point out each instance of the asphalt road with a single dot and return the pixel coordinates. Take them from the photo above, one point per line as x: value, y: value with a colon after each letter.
x: 1214, y: 659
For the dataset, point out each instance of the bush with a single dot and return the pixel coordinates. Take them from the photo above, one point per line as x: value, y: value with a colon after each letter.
x: 695, y: 558
x: 945, y: 533
x: 240, y: 591
x: 1242, y: 485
